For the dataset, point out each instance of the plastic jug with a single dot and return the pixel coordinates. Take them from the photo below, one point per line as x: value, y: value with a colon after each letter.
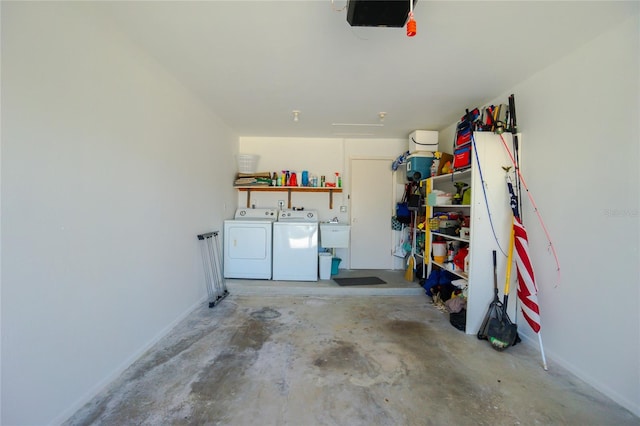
x: 439, y: 251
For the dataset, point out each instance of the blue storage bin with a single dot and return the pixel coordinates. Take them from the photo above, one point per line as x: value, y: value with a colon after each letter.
x: 335, y: 263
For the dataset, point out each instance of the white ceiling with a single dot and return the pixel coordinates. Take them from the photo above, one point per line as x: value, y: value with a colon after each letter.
x: 254, y: 62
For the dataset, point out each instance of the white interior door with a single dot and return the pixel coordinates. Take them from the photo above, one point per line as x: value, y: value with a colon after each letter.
x: 371, y: 209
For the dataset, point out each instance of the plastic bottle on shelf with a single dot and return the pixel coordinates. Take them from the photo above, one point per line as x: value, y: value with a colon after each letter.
x: 435, y: 164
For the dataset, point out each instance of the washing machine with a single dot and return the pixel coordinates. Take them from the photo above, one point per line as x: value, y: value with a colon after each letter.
x: 295, y: 246
x: 248, y: 244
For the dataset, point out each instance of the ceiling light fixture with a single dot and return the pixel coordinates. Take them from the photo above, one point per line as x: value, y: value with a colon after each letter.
x: 382, y: 115
x: 296, y: 115
x: 352, y: 134
x: 359, y: 124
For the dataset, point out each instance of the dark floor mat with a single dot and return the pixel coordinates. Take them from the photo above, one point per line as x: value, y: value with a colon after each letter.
x: 359, y: 281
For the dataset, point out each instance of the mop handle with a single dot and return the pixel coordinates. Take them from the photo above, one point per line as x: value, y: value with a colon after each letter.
x: 509, y: 262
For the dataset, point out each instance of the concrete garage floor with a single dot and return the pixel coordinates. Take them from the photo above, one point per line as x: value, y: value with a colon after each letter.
x: 326, y: 360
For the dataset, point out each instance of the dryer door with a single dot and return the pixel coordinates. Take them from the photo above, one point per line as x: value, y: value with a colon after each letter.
x: 247, y: 249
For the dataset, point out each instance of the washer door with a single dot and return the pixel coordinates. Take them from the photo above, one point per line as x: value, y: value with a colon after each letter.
x: 295, y: 251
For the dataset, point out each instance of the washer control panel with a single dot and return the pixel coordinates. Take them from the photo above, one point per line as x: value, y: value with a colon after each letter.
x: 298, y: 216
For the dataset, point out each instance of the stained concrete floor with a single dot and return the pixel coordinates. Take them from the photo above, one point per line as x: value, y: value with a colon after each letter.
x: 351, y: 360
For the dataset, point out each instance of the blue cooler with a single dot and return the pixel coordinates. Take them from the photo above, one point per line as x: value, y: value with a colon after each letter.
x: 419, y: 162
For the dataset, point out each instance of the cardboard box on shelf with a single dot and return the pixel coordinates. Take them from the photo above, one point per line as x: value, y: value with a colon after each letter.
x: 444, y: 158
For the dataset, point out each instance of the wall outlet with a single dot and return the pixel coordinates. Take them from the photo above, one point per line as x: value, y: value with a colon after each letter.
x: 343, y: 209
x: 281, y: 204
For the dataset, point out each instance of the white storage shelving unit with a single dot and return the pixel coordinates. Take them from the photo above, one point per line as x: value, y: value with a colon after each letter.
x: 483, y: 239
x: 446, y: 183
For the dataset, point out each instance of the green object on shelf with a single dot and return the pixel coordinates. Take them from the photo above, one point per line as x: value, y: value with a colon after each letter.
x: 466, y: 198
x: 457, y: 198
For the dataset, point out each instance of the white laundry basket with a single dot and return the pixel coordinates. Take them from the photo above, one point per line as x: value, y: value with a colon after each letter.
x: 248, y: 163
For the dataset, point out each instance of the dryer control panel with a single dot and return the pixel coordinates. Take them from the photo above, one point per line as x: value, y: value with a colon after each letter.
x: 253, y: 214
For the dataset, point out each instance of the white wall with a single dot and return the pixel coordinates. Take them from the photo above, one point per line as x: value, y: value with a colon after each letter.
x: 319, y: 156
x: 579, y: 121
x: 582, y: 158
x: 110, y: 169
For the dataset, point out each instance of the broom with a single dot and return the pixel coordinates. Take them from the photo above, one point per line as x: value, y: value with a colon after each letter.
x: 411, y: 262
x: 502, y: 333
x: 408, y: 275
x: 495, y: 307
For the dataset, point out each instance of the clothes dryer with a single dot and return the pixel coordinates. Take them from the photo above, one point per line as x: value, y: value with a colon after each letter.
x: 248, y: 244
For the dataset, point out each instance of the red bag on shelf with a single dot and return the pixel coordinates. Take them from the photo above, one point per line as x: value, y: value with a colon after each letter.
x: 462, y: 158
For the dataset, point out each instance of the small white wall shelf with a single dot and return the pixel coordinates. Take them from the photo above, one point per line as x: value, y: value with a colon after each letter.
x: 288, y: 190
